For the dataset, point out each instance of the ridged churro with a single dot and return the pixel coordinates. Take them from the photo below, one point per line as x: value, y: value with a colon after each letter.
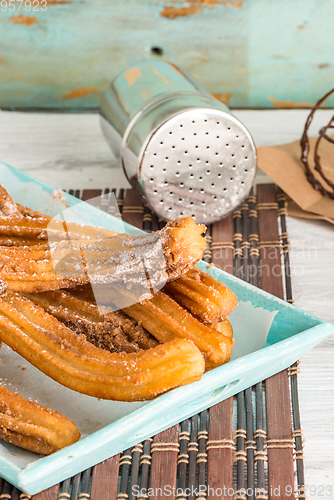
x: 22, y: 226
x: 113, y: 331
x: 143, y: 262
x: 205, y: 297
x: 32, y: 426
x: 165, y: 319
x: 72, y: 361
x: 41, y: 229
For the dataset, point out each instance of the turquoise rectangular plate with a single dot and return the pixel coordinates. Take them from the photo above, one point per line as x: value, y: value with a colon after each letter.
x: 270, y: 335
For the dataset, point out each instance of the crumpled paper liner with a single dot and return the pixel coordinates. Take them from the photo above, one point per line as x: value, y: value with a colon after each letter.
x: 282, y: 164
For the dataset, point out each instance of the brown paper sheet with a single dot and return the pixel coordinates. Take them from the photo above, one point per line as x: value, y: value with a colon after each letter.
x: 295, y: 211
x: 282, y: 164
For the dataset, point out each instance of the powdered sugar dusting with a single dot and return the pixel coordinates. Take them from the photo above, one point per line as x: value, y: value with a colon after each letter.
x: 58, y: 194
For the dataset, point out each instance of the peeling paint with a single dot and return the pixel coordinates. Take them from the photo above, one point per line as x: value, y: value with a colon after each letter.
x: 3, y: 60
x: 225, y: 97
x: 174, y: 8
x: 56, y: 2
x: 162, y: 78
x: 145, y: 95
x: 277, y: 103
x: 132, y: 74
x: 21, y: 19
x: 176, y: 69
x: 172, y: 12
x: 75, y: 93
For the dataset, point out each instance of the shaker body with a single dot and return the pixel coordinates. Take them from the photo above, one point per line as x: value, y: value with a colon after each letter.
x: 177, y: 143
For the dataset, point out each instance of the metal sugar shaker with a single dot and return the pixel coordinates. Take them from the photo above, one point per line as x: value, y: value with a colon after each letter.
x: 180, y: 148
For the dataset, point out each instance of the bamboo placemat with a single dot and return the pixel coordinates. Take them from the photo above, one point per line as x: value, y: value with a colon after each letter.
x: 248, y: 447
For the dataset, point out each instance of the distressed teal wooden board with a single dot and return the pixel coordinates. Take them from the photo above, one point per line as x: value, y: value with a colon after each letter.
x: 253, y: 53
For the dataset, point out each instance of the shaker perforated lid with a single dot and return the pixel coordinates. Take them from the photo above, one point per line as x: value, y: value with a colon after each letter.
x: 199, y: 163
x: 180, y: 148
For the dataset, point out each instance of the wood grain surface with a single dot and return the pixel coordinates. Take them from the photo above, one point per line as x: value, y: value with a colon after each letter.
x: 164, y: 452
x: 105, y: 479
x: 49, y: 494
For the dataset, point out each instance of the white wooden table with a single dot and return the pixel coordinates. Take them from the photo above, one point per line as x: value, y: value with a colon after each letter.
x: 69, y: 151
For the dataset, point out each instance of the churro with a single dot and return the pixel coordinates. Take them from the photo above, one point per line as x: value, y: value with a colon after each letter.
x: 32, y: 426
x: 205, y: 297
x: 38, y: 253
x: 165, y: 319
x: 144, y: 261
x: 72, y: 361
x: 113, y: 331
x: 38, y: 230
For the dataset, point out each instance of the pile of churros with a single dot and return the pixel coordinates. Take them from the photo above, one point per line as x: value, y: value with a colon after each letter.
x: 146, y: 345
